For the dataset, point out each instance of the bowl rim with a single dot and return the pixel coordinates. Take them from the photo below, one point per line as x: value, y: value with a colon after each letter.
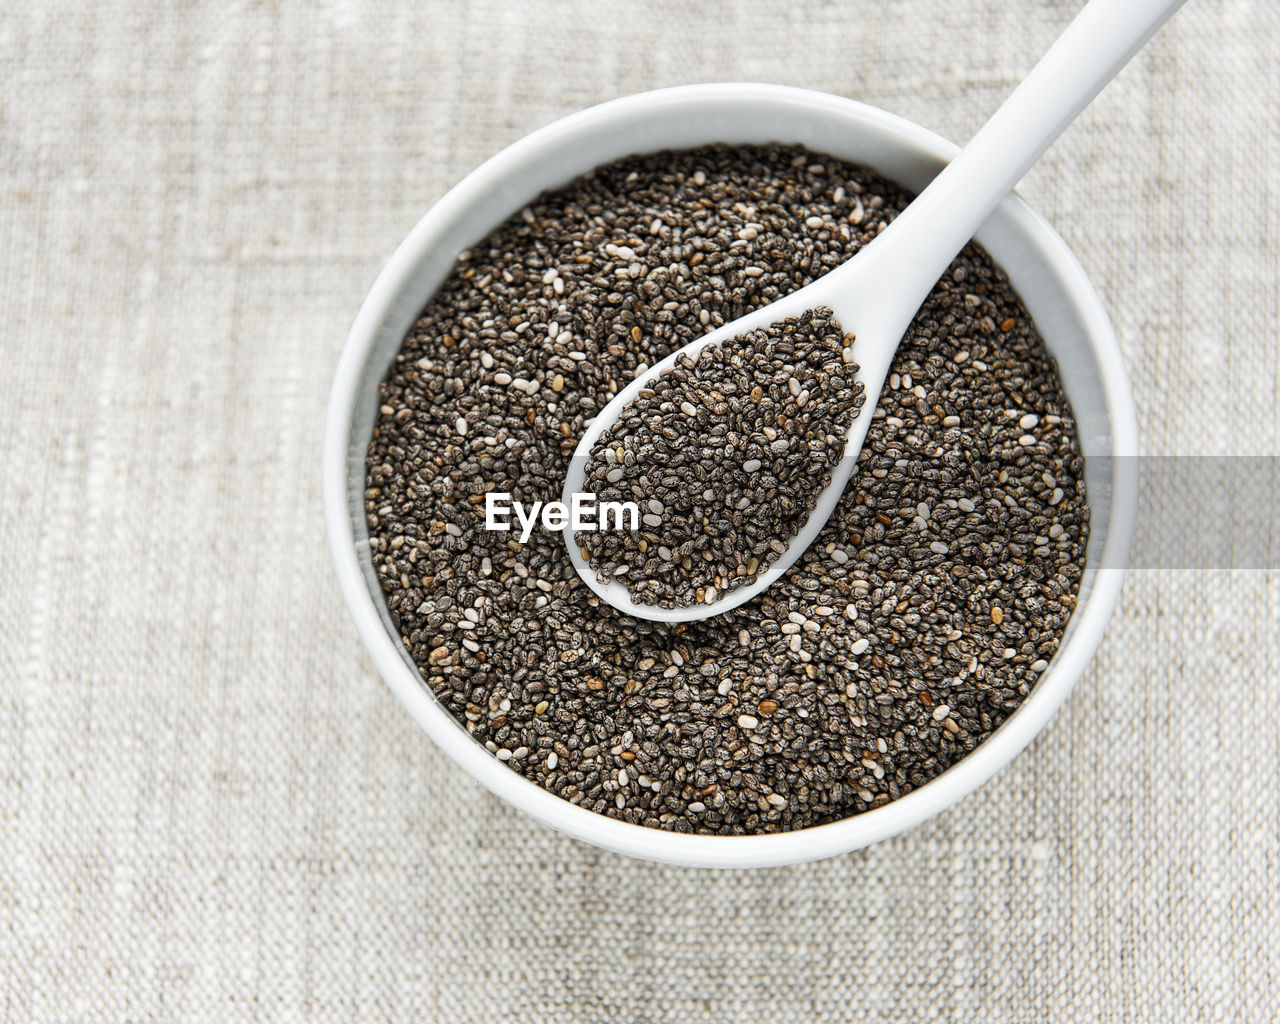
x: 775, y: 849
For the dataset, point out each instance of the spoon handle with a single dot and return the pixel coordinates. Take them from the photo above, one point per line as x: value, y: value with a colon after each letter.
x: 917, y: 247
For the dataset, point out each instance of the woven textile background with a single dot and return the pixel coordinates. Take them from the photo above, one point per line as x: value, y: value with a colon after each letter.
x: 211, y: 809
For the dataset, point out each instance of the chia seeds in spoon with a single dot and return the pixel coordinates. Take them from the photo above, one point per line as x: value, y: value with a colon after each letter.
x: 918, y: 621
x: 725, y: 453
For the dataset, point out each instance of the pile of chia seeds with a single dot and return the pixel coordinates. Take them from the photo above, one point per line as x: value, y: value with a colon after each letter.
x: 725, y: 453
x: 917, y: 623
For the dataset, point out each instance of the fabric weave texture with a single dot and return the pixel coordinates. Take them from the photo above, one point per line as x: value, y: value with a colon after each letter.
x: 211, y: 809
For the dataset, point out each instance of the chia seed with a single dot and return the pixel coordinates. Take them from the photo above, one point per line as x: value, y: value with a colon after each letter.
x: 877, y: 661
x: 736, y: 441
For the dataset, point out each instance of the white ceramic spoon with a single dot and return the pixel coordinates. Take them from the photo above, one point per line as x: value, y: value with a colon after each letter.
x: 876, y: 294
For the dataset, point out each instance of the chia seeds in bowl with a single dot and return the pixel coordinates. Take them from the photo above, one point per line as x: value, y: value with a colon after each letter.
x: 918, y: 622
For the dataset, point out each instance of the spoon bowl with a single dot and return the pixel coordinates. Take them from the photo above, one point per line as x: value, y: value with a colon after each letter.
x: 613, y: 591
x: 1041, y: 268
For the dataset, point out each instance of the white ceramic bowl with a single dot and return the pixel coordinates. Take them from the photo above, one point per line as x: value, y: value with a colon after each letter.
x: 1043, y: 271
